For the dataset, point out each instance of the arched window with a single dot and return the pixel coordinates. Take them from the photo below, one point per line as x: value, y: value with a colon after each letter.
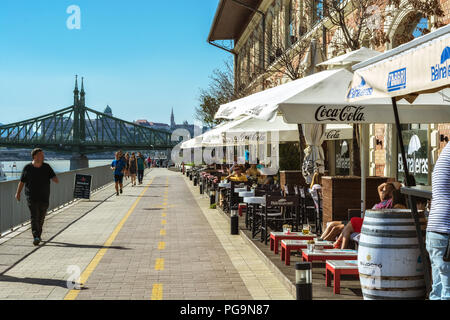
x: 413, y: 25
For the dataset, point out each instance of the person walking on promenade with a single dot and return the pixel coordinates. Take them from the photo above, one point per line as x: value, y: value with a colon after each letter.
x: 36, y: 178
x: 438, y: 228
x: 149, y: 162
x: 140, y: 167
x: 118, y: 165
x: 132, y: 168
x: 127, y: 165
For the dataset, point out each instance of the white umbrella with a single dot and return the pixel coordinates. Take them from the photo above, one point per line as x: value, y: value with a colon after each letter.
x: 351, y: 57
x: 419, y: 66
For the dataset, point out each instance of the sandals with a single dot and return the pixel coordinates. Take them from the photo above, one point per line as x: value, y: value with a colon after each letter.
x: 337, y: 244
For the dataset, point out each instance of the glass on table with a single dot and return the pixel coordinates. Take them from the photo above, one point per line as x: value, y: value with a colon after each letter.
x: 306, y: 229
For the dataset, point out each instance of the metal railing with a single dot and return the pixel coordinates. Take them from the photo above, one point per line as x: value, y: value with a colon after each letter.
x: 13, y: 214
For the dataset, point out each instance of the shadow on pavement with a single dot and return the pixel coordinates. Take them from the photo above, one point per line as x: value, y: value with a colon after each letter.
x: 152, y: 209
x: 38, y: 281
x: 87, y: 246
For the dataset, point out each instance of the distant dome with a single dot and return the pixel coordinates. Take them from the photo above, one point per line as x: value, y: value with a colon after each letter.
x: 108, y: 110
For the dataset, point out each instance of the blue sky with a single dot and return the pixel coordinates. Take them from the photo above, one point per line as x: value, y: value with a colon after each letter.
x: 142, y: 57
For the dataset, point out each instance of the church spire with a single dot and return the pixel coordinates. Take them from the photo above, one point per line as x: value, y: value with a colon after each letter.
x: 76, y: 97
x: 172, y: 120
x: 82, y: 94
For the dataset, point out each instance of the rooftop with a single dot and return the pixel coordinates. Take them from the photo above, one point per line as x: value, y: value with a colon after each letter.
x: 232, y: 18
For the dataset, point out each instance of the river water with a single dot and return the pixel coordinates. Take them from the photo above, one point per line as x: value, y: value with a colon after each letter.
x: 13, y: 169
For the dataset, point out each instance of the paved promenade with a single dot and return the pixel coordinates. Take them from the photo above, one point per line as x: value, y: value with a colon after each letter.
x: 155, y: 241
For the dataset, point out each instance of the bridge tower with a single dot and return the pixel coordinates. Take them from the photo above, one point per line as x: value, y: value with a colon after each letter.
x: 78, y: 159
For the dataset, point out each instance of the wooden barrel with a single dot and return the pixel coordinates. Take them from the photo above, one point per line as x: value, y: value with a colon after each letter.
x: 389, y: 261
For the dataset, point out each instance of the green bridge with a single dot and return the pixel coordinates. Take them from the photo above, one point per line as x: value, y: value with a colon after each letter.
x: 80, y: 131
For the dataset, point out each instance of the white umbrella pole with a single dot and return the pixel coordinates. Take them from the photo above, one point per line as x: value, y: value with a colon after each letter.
x: 363, y: 136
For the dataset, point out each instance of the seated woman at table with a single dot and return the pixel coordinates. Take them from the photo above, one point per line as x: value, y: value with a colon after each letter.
x: 238, y: 175
x: 398, y: 200
x: 253, y: 172
x: 385, y: 192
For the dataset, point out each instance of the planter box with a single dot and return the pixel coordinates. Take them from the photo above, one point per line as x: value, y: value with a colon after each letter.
x: 292, y: 178
x: 343, y: 193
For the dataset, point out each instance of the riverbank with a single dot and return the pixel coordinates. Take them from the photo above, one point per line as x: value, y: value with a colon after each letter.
x: 13, y: 169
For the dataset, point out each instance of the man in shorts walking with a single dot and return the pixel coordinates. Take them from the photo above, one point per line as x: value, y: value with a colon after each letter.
x: 118, y: 165
x: 140, y: 167
x: 36, y: 178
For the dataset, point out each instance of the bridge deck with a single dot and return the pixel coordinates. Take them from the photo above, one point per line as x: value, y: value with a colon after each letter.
x: 153, y: 242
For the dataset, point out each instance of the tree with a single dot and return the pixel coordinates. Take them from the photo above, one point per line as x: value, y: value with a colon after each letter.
x: 221, y: 90
x: 286, y: 58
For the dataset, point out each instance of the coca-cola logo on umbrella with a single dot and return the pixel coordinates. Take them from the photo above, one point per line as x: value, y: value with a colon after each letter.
x: 333, y: 134
x: 344, y: 114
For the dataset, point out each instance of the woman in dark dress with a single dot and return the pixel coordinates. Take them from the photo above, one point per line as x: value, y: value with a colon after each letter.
x: 132, y: 165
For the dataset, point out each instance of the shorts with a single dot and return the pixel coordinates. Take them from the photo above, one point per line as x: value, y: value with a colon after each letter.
x: 357, y: 224
x: 118, y: 178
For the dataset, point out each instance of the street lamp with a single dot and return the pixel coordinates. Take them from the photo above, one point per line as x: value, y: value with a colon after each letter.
x: 303, y: 280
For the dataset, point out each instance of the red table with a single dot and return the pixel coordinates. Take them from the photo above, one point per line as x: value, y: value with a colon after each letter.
x: 297, y: 245
x: 329, y: 254
x: 338, y: 268
x: 276, y: 237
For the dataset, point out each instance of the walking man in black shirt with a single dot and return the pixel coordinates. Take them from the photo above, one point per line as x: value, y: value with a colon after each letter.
x: 36, y: 178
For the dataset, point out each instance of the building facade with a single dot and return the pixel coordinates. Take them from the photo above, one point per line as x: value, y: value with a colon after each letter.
x: 277, y: 41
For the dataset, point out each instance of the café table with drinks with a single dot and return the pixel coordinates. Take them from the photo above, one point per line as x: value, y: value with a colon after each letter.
x: 287, y: 246
x: 276, y: 237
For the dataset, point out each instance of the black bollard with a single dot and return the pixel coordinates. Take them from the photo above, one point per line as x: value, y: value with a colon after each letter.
x: 195, y: 181
x: 303, y: 280
x: 234, y: 222
x: 201, y: 187
x: 212, y: 197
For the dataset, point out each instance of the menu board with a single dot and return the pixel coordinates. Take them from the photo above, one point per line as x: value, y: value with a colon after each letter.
x: 82, y: 188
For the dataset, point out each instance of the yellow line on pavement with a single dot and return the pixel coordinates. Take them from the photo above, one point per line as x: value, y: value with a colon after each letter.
x: 73, y: 294
x: 157, y: 292
x: 162, y: 232
x: 159, y: 265
x: 161, y: 245
x: 163, y: 222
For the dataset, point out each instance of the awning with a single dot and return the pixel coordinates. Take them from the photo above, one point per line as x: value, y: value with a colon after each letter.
x: 319, y: 98
x: 419, y: 66
x: 231, y: 19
